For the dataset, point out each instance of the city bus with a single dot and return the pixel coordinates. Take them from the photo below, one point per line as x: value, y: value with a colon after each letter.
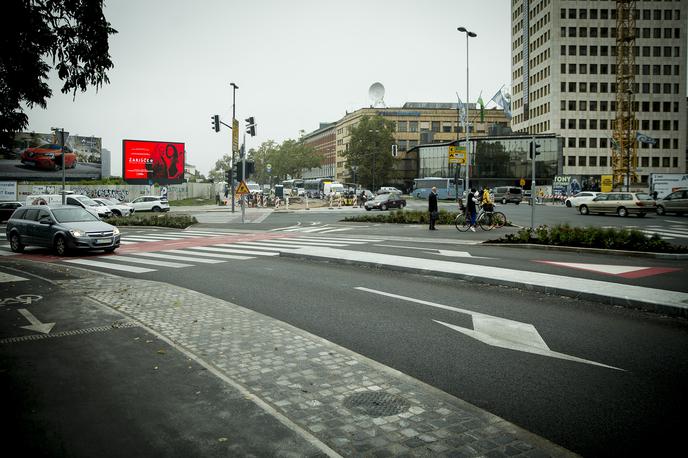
x: 315, y: 187
x: 446, y: 187
x: 293, y: 187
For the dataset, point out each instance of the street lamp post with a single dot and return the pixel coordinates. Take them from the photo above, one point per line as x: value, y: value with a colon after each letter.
x: 469, y: 34
x: 629, y: 142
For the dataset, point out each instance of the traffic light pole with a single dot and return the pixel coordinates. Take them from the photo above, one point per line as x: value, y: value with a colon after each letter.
x: 242, y: 155
x: 234, y: 88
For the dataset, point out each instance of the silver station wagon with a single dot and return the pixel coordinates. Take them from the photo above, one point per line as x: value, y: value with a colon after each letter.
x: 61, y: 227
x: 620, y: 203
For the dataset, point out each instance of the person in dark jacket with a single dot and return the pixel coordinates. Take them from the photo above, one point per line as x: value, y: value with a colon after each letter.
x: 432, y: 208
x: 471, y: 204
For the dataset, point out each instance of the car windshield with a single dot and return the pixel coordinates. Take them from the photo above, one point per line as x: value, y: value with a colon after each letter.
x: 73, y: 215
x: 88, y: 201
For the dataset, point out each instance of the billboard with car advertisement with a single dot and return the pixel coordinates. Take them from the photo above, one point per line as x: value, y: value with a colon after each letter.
x: 152, y: 162
x: 32, y: 156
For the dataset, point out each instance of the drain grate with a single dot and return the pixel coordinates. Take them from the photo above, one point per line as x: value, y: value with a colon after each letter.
x: 376, y: 404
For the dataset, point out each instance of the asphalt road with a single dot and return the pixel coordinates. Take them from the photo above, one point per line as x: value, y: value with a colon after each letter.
x: 583, y: 406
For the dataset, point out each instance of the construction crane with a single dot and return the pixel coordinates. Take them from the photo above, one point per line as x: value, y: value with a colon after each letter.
x: 624, y: 149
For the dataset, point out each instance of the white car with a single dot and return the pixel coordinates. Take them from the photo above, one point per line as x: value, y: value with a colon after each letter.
x: 118, y: 208
x: 151, y: 203
x: 583, y: 196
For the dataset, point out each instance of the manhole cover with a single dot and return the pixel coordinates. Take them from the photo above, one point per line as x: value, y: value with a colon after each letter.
x: 376, y: 404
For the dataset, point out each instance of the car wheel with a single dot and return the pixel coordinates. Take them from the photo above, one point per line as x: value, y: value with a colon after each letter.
x: 660, y: 210
x: 383, y: 207
x: 60, y: 246
x: 367, y: 209
x: 621, y: 211
x: 157, y: 209
x: 403, y: 204
x: 503, y: 201
x: 583, y: 209
x: 568, y: 204
x: 116, y: 213
x: 517, y: 202
x: 15, y: 243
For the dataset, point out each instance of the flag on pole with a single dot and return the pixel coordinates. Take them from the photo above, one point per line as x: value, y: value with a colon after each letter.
x: 642, y: 138
x: 503, y: 101
x: 482, y: 107
x: 462, y: 110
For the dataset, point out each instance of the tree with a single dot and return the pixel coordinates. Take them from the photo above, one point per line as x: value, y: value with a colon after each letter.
x: 293, y: 157
x: 70, y: 34
x: 265, y: 154
x: 218, y: 173
x: 370, y: 151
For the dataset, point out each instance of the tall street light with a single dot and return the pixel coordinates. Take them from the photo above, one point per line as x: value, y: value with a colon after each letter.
x: 469, y: 34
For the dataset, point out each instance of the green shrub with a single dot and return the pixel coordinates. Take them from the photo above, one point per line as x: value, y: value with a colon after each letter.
x: 154, y: 219
x: 592, y: 237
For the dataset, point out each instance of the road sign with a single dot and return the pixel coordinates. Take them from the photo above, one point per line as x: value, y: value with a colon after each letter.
x: 269, y: 168
x: 242, y: 188
x: 235, y: 135
x: 522, y: 182
x: 457, y: 155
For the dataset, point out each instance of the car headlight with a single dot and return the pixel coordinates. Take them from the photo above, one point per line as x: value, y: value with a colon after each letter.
x: 115, y: 231
x: 50, y: 155
x: 76, y: 233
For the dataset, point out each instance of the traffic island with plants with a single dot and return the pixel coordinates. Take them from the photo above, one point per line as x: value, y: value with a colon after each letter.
x: 592, y: 237
x: 153, y: 219
x: 403, y: 217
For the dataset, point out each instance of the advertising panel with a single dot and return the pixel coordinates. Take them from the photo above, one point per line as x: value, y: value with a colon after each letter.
x: 8, y: 190
x: 152, y: 162
x: 35, y: 156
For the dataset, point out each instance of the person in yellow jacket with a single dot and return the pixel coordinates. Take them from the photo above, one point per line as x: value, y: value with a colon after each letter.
x: 486, y: 200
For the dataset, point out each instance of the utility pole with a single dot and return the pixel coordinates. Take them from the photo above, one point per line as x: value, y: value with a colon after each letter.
x: 59, y: 131
x: 234, y: 123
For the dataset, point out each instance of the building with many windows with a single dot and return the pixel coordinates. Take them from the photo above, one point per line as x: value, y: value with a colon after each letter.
x: 564, y: 55
x: 323, y: 141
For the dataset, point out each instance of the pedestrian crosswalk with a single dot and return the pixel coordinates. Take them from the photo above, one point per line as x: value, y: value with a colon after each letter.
x: 150, y: 260
x: 676, y: 230
x: 315, y: 228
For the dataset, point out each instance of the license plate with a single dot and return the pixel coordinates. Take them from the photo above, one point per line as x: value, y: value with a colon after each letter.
x: 103, y: 241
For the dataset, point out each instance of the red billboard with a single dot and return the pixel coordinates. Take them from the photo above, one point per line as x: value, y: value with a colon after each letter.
x: 151, y: 162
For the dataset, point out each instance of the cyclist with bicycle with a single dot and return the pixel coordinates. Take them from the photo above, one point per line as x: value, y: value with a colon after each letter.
x: 472, y: 207
x: 486, y: 200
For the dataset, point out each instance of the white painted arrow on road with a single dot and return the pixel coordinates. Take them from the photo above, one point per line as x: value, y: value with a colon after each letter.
x: 36, y: 325
x: 497, y: 332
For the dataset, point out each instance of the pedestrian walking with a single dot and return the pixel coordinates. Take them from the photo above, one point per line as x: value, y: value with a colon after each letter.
x: 432, y: 208
x: 471, y: 205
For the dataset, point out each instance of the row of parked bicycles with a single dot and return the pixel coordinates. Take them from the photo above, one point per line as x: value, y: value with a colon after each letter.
x: 487, y: 219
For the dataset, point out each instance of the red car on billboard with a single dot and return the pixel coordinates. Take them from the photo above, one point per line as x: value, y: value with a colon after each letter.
x: 149, y: 162
x: 49, y: 157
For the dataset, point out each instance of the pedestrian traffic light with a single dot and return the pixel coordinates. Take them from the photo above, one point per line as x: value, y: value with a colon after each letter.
x: 228, y: 176
x: 250, y: 168
x: 216, y: 122
x: 534, y: 147
x: 251, y: 126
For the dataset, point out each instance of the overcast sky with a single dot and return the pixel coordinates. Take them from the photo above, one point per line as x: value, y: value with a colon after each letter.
x: 297, y: 63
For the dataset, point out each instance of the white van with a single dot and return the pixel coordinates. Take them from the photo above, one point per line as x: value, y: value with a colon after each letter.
x: 70, y: 199
x: 337, y: 188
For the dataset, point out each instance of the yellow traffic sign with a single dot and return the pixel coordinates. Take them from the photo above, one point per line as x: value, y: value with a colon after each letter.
x: 522, y: 182
x: 242, y: 188
x: 457, y: 155
x: 235, y: 135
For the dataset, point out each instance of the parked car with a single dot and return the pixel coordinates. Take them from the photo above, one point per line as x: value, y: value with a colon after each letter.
x: 579, y: 198
x: 49, y: 157
x: 621, y: 203
x: 385, y: 201
x: 7, y: 208
x: 60, y: 227
x: 118, y: 208
x: 676, y: 202
x: 151, y: 203
x: 505, y: 194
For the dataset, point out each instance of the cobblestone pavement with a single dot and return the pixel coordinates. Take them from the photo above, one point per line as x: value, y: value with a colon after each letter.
x: 332, y: 396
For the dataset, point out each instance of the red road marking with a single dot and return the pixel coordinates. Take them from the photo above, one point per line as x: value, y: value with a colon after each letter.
x: 636, y: 272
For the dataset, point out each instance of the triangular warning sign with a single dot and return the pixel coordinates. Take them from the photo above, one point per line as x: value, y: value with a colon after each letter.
x: 242, y: 188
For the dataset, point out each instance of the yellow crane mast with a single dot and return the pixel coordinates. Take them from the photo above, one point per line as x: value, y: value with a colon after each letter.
x: 624, y: 152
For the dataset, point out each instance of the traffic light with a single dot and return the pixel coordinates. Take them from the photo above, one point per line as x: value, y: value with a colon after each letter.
x: 228, y: 176
x: 239, y: 171
x: 216, y: 122
x: 251, y: 126
x: 534, y: 146
x: 250, y: 168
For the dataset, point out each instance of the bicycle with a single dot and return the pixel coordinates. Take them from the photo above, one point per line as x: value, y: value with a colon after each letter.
x: 488, y: 220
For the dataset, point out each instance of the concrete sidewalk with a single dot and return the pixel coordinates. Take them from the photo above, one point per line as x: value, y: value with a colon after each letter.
x: 334, y: 402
